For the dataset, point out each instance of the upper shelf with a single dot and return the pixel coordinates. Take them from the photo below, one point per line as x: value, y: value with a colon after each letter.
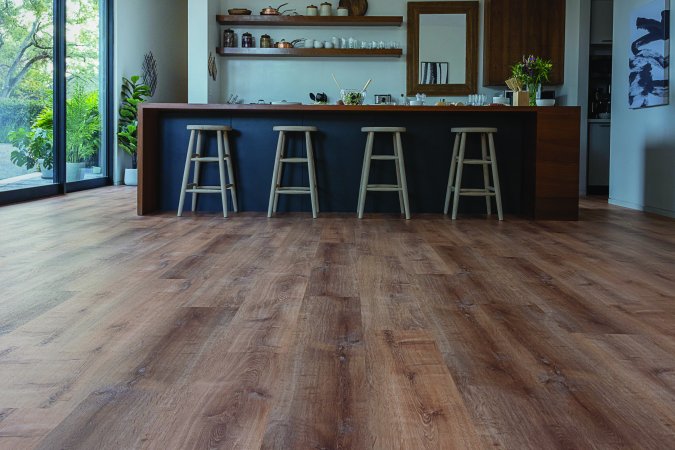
x: 312, y: 21
x: 310, y: 52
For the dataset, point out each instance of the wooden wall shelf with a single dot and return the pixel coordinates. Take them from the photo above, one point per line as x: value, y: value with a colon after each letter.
x: 309, y: 52
x: 311, y: 21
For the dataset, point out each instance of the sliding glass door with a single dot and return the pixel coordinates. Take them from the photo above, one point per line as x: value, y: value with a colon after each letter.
x: 85, y: 110
x: 53, y: 96
x: 26, y: 94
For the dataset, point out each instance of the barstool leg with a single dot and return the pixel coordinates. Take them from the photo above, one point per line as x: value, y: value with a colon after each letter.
x: 495, y: 177
x: 453, y: 168
x: 186, y: 174
x: 230, y: 171
x: 275, y: 175
x: 312, y: 175
x: 398, y: 175
x: 458, y: 181
x: 221, y: 172
x: 404, y: 182
x: 195, y: 177
x: 280, y: 174
x: 365, y: 174
x: 486, y: 174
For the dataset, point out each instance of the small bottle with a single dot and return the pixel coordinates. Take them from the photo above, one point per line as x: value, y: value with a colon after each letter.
x: 403, y: 102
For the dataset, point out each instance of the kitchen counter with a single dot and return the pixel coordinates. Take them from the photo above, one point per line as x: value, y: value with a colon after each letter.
x: 537, y: 152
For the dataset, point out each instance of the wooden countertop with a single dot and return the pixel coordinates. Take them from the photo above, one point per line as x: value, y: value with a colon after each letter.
x: 334, y: 108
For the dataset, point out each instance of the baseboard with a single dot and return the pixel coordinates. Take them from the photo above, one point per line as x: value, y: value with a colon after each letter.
x: 640, y: 207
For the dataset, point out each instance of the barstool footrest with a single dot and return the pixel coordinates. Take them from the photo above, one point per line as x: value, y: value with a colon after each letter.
x: 293, y: 190
x: 293, y: 160
x: 384, y: 187
x: 482, y: 162
x: 197, y: 158
x: 384, y: 157
x: 476, y: 192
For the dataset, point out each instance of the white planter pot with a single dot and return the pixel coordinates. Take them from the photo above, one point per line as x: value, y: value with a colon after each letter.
x: 46, y: 173
x: 131, y: 177
x: 73, y: 171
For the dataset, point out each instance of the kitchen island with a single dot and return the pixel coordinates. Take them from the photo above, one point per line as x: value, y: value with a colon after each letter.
x: 537, y: 153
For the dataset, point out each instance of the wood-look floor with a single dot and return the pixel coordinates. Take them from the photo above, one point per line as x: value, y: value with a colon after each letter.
x: 121, y: 332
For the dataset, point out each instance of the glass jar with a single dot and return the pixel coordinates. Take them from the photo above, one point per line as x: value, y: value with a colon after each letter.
x: 229, y: 39
x: 247, y: 40
x: 265, y: 41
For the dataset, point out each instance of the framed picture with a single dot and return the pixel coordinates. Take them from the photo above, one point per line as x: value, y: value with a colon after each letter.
x: 649, y: 57
x: 434, y: 73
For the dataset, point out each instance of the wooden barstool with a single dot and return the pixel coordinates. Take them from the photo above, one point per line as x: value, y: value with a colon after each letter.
x: 279, y: 162
x: 223, y: 159
x: 457, y: 167
x: 401, y: 185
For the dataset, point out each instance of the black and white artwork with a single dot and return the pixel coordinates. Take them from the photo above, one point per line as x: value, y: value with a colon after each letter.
x: 649, y: 58
x: 434, y: 73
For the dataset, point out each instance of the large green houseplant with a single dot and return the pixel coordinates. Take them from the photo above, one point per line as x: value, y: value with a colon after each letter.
x: 133, y: 94
x: 34, y: 147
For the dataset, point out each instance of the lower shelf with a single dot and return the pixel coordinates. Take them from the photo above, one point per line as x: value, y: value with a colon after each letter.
x: 309, y: 52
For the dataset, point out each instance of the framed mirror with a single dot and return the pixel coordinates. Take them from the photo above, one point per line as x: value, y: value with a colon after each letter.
x: 442, y: 55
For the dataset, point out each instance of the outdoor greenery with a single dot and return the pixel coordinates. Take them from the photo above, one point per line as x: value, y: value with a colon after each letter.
x: 83, y: 129
x: 16, y: 113
x: 133, y: 94
x: 26, y: 64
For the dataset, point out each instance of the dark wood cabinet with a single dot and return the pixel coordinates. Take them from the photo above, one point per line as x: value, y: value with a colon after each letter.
x: 514, y: 28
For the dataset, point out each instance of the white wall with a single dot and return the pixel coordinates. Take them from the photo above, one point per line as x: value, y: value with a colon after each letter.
x: 642, y: 162
x: 575, y: 89
x: 293, y: 78
x: 159, y: 26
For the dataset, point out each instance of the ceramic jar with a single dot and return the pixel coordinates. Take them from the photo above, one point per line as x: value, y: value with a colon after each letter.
x: 326, y: 9
x: 342, y: 11
x: 312, y: 11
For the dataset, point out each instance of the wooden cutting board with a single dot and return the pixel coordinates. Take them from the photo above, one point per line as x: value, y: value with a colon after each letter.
x: 355, y: 7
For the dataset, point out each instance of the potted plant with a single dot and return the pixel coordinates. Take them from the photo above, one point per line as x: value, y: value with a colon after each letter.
x: 83, y: 129
x: 532, y: 72
x: 133, y: 94
x: 33, y: 149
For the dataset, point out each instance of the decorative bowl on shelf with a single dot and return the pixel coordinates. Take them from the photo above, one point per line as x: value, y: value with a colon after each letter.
x: 239, y: 12
x: 545, y: 102
x: 352, y: 97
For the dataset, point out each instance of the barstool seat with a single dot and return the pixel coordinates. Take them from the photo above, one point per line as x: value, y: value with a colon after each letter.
x: 224, y: 159
x: 401, y: 185
x: 295, y: 128
x: 457, y: 168
x: 279, y: 162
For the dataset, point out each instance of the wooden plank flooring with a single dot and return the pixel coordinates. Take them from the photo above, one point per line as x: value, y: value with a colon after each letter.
x: 125, y: 332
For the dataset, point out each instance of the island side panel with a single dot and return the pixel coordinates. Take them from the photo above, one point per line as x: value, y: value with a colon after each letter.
x: 148, y: 161
x: 557, y: 164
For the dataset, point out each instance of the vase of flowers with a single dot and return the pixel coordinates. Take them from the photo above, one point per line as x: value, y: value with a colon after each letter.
x: 532, y: 71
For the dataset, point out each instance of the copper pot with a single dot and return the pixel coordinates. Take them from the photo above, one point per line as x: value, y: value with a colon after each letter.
x: 269, y: 11
x: 284, y: 44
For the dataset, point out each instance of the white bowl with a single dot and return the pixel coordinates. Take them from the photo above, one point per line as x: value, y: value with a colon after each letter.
x: 545, y: 102
x: 416, y: 103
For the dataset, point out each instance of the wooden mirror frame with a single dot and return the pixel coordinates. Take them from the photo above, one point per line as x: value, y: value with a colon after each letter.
x: 470, y: 9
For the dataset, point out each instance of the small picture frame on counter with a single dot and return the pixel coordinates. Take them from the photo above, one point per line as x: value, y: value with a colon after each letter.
x: 382, y: 99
